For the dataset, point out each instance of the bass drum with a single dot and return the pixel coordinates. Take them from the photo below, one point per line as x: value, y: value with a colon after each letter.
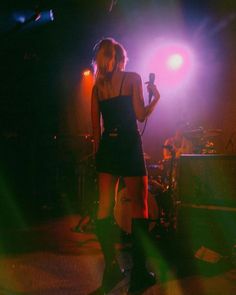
x: 122, y: 211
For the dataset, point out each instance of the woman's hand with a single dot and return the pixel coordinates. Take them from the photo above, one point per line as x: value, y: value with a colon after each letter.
x: 151, y: 88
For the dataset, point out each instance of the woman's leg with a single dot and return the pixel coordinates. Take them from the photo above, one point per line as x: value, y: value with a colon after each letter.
x: 137, y: 188
x: 105, y: 230
x: 107, y: 186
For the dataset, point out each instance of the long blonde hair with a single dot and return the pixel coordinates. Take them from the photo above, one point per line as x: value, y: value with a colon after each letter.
x: 104, y: 53
x: 106, y: 50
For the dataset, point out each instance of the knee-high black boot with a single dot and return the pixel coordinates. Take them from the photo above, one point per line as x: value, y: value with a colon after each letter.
x: 140, y: 278
x: 112, y: 272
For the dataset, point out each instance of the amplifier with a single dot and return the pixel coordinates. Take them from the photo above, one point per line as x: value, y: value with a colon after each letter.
x: 207, y: 180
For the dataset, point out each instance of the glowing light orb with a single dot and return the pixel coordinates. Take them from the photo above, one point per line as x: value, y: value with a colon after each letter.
x: 175, y: 61
x: 172, y: 62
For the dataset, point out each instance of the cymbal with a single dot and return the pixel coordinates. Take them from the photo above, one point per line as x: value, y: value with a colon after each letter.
x: 212, y: 132
x: 194, y: 133
x: 201, y: 133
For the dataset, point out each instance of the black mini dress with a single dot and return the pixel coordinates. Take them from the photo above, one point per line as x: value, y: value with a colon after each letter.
x: 120, y: 152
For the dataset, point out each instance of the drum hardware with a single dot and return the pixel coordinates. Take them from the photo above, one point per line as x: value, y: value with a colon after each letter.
x: 155, y: 186
x: 165, y: 187
x: 194, y: 133
x: 159, y: 187
x: 208, y: 148
x: 156, y: 166
x: 87, y: 192
x: 164, y: 193
x: 212, y: 133
x: 172, y: 160
x: 202, y: 139
x: 167, y: 200
x: 209, y: 145
x: 167, y: 207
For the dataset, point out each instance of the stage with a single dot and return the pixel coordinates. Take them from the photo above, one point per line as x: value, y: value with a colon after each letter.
x: 48, y: 178
x: 50, y: 258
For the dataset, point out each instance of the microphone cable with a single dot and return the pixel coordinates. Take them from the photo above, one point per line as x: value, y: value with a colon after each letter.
x: 151, y: 81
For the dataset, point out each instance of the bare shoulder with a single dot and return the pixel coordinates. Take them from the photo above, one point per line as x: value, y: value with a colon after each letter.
x: 133, y: 79
x: 133, y: 76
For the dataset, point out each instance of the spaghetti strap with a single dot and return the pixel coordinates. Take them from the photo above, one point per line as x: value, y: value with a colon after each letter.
x: 121, y: 85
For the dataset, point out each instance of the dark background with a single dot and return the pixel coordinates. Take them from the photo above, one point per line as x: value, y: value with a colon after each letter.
x: 43, y: 139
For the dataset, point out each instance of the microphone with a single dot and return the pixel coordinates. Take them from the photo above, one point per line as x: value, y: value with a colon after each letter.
x: 151, y: 81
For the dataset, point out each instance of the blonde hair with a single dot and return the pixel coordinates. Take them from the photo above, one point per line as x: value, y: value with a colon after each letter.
x: 106, y: 50
x: 120, y: 56
x: 104, y: 53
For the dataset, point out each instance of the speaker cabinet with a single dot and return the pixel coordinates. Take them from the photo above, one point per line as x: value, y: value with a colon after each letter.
x: 207, y: 207
x: 207, y: 180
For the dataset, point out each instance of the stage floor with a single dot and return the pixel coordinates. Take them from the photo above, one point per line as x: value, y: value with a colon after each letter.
x: 50, y: 259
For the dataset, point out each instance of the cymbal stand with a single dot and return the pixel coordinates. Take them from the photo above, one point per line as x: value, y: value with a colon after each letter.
x: 230, y: 142
x: 168, y: 212
x: 87, y: 193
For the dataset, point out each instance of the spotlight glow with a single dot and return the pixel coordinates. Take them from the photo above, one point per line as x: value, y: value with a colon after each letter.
x: 51, y: 14
x: 172, y: 62
x: 87, y: 73
x: 175, y: 61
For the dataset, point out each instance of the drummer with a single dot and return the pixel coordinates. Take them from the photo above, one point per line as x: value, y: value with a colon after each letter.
x: 178, y: 144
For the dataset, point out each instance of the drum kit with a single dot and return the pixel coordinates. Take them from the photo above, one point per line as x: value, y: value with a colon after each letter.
x: 163, y: 187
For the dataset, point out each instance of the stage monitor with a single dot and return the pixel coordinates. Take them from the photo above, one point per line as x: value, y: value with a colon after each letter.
x: 207, y: 179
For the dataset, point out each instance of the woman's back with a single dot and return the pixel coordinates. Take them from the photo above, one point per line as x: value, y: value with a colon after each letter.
x: 116, y: 105
x: 120, y: 83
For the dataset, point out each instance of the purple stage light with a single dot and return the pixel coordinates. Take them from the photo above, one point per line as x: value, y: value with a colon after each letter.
x: 171, y: 61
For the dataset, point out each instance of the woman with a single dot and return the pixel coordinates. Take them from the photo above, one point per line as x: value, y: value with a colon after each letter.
x: 117, y: 97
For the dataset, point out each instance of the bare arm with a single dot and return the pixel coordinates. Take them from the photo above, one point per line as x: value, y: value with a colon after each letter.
x: 95, y: 116
x: 142, y: 111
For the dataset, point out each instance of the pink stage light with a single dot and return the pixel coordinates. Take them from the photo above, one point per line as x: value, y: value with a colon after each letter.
x: 172, y: 62
x: 175, y: 62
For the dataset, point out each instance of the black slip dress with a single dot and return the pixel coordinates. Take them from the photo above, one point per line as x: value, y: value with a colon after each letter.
x: 120, y: 152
